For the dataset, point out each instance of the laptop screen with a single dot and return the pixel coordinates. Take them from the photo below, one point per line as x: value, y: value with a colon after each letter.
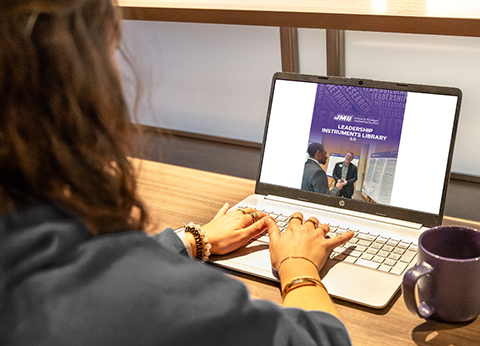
x: 397, y: 138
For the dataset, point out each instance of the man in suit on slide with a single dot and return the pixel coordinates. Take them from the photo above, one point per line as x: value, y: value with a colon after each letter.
x: 346, y: 171
x: 314, y: 177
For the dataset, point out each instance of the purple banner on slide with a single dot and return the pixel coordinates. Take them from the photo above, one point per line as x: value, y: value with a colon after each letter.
x: 361, y: 114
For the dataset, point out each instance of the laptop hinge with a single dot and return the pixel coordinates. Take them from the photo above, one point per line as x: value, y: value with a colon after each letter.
x: 349, y: 213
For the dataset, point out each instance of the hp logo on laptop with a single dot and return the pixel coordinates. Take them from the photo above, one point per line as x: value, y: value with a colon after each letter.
x: 341, y: 203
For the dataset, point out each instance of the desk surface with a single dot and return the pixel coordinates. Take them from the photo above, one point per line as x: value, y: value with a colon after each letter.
x: 177, y: 195
x: 447, y: 17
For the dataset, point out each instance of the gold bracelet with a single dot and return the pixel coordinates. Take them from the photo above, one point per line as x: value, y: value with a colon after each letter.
x: 291, y: 257
x: 301, y: 281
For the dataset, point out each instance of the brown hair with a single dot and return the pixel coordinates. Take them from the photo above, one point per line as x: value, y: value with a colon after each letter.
x: 64, y: 132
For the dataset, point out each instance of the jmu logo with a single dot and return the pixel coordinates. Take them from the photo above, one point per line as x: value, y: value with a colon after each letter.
x: 341, y: 117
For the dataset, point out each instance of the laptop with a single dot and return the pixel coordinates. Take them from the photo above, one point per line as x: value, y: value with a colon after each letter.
x: 401, y: 137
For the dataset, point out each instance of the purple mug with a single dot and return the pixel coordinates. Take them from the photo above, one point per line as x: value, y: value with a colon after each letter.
x: 447, y: 275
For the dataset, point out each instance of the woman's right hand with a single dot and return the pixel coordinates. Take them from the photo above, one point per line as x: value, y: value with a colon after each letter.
x: 303, y: 239
x: 306, y: 243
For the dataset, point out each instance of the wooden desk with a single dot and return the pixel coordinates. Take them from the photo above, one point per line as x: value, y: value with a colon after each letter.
x: 177, y: 195
x: 459, y: 18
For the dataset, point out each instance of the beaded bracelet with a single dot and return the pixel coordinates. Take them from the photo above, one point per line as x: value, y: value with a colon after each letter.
x: 301, y: 281
x: 201, y: 241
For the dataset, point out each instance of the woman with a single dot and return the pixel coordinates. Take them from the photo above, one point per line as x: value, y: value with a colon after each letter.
x: 75, y: 266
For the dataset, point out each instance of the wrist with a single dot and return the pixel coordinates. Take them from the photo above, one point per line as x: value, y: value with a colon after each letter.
x: 294, y: 267
x: 193, y: 245
x: 302, y: 281
x: 201, y: 246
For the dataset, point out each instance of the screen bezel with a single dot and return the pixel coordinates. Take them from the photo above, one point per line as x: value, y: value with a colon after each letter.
x: 423, y: 218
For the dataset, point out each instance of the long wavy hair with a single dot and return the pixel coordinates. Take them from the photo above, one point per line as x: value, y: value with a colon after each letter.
x: 64, y: 123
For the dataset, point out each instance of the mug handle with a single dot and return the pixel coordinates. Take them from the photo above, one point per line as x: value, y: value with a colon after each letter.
x: 408, y: 288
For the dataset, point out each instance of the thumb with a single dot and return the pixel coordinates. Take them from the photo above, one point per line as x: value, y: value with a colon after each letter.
x: 222, y: 211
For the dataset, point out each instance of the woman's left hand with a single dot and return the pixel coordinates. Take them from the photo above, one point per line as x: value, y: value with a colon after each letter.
x: 229, y: 231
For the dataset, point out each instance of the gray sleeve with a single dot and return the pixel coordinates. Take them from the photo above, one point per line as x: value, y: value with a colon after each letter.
x: 321, y: 184
x: 171, y: 240
x: 222, y: 311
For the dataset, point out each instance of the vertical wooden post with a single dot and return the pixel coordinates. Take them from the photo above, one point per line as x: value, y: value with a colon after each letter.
x: 289, y: 49
x: 336, y: 53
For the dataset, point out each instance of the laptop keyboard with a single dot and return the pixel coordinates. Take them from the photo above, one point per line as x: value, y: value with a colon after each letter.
x: 374, y: 251
x: 367, y: 249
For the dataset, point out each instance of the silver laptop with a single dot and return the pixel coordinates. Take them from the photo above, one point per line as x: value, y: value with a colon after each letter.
x: 402, y: 138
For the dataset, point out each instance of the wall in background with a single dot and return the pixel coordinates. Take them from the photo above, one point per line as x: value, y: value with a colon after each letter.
x: 426, y: 59
x: 215, y: 79
x: 204, y: 78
